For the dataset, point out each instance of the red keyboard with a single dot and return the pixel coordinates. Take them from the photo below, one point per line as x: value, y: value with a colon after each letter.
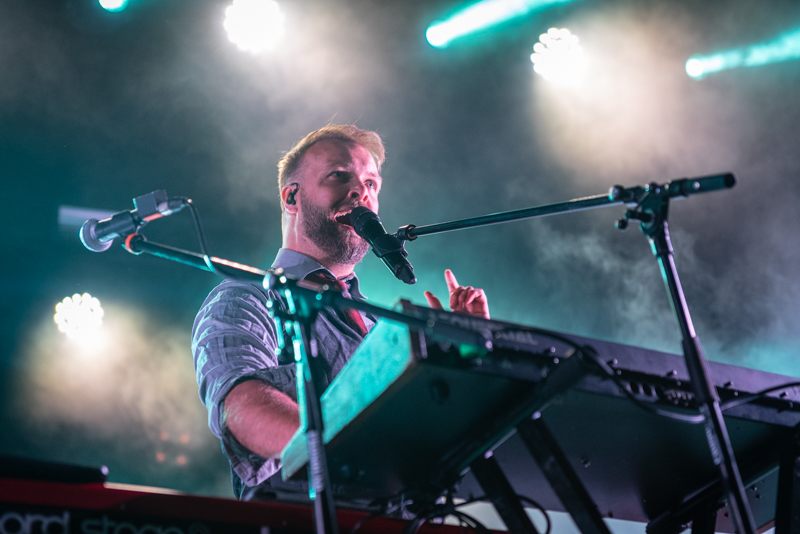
x: 35, y: 507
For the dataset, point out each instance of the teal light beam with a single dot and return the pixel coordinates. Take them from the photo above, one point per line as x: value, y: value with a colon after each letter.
x: 481, y: 15
x: 784, y: 48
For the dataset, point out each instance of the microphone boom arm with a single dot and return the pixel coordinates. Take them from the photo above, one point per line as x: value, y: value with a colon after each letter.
x: 616, y: 196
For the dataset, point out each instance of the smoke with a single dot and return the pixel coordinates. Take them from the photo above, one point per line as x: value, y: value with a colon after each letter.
x: 36, y: 64
x: 327, y: 68
x: 166, y: 101
x: 132, y: 391
x: 199, y: 93
x: 638, y: 118
x: 636, y: 113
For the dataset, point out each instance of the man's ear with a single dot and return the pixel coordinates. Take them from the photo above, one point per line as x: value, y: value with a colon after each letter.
x: 288, y: 197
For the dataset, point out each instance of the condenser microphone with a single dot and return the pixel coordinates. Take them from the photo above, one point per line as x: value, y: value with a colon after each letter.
x: 387, y: 247
x: 98, y: 236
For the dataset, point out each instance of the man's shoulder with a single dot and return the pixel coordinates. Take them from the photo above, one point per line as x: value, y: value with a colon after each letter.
x: 236, y: 286
x: 233, y: 303
x: 232, y: 290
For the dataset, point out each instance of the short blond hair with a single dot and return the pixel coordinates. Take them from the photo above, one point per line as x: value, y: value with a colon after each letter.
x: 348, y: 133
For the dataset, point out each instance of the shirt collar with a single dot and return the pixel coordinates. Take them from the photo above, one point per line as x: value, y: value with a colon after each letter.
x: 298, y: 265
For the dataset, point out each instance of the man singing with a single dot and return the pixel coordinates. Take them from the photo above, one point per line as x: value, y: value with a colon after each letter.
x: 247, y: 387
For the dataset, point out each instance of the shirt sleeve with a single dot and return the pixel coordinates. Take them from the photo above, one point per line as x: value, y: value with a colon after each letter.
x: 233, y: 340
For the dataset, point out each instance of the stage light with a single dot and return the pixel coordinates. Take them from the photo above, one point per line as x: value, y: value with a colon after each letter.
x: 481, y: 15
x: 79, y: 316
x: 113, y: 5
x: 254, y: 25
x: 558, y: 56
x: 784, y: 48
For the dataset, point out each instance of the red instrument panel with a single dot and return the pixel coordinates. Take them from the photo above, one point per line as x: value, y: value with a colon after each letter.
x: 35, y: 507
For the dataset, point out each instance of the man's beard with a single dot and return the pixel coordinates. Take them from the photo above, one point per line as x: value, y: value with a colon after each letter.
x: 343, y: 248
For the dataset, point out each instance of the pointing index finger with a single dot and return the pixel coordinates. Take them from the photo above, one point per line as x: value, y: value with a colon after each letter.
x: 450, y: 278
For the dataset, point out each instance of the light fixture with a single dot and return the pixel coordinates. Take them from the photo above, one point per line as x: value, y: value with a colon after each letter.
x: 254, y: 25
x: 558, y: 56
x: 113, y: 5
x: 79, y: 316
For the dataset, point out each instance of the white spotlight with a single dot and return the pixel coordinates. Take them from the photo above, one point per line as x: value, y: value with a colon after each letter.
x: 113, y: 5
x: 558, y: 56
x: 79, y: 316
x: 254, y: 25
x: 694, y: 68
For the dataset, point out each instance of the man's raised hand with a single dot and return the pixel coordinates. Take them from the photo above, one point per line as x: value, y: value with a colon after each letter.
x: 462, y: 299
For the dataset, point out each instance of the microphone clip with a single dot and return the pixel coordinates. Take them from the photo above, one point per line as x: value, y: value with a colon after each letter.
x: 156, y: 205
x: 386, y: 244
x: 402, y: 233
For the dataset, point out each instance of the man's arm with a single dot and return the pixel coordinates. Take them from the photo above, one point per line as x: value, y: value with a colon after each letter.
x: 247, y: 391
x: 260, y: 417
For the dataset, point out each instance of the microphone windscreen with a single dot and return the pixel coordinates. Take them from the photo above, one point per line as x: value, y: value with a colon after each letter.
x: 361, y: 217
x: 90, y: 240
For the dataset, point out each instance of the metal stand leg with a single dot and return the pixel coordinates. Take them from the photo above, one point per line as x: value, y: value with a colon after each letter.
x: 705, y: 521
x: 502, y: 495
x: 652, y: 211
x: 787, y: 515
x: 309, y: 390
x: 562, y: 477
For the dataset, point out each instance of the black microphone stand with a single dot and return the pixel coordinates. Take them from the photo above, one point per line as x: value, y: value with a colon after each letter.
x: 299, y: 320
x: 304, y: 300
x: 650, y: 206
x: 311, y: 421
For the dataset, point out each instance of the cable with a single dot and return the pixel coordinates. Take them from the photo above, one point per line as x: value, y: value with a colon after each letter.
x: 588, y: 351
x: 476, y: 526
x: 674, y: 415
x: 473, y: 500
x: 677, y: 416
x: 363, y: 521
x: 541, y: 509
x: 201, y: 237
x: 381, y: 512
x: 203, y: 247
x: 443, y: 510
x: 528, y: 500
x: 682, y: 417
x: 755, y: 396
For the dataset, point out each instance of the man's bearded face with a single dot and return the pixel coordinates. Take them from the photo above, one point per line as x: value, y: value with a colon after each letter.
x: 338, y: 241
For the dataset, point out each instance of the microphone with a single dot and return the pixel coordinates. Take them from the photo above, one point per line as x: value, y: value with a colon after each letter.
x: 387, y: 247
x: 98, y: 236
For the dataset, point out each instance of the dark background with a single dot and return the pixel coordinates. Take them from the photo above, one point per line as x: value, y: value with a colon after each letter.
x: 97, y: 108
